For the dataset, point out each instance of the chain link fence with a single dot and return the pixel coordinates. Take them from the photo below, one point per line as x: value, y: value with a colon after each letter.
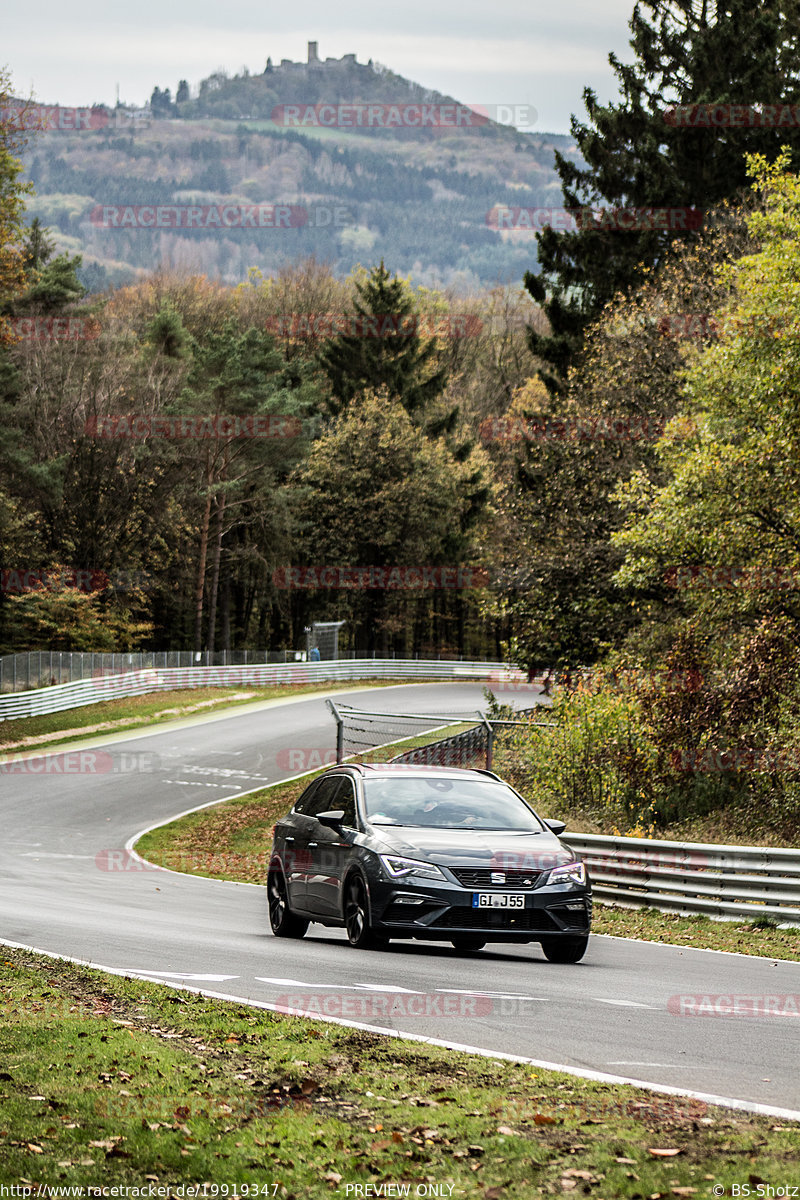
x: 46, y: 668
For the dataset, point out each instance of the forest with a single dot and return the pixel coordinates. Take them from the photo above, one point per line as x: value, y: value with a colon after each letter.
x: 595, y: 474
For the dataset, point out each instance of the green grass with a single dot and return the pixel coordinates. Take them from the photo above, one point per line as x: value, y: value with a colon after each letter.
x: 116, y: 1082
x: 114, y: 716
x: 740, y: 937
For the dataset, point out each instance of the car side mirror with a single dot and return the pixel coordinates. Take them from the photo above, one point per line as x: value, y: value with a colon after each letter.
x: 332, y: 819
x: 556, y: 827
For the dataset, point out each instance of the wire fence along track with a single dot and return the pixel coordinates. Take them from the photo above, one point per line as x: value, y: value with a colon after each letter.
x: 359, y: 730
x: 472, y: 748
x: 48, y: 668
x: 138, y: 683
x: 728, y: 882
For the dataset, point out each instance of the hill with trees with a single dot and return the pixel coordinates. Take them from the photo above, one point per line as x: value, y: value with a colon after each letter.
x: 416, y: 197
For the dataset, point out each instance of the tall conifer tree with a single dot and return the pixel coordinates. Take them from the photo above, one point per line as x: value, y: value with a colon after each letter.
x: 689, y: 52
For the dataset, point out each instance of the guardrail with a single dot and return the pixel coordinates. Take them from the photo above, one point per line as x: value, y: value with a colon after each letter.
x: 139, y: 683
x: 48, y: 668
x: 728, y: 882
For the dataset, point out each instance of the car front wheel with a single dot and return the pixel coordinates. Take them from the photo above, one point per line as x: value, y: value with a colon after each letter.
x: 283, y: 921
x: 356, y: 917
x: 565, y: 950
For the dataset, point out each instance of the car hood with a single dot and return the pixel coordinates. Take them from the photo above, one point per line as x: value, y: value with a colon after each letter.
x: 475, y: 847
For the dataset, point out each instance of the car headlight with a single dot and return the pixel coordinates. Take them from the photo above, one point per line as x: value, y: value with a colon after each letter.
x: 409, y: 868
x: 574, y: 872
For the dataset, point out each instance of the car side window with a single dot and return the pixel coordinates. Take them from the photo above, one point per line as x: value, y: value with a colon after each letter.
x: 323, y: 797
x: 305, y: 801
x: 346, y: 798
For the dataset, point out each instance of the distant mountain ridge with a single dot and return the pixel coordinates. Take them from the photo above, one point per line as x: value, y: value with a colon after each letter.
x: 307, y: 84
x: 416, y: 196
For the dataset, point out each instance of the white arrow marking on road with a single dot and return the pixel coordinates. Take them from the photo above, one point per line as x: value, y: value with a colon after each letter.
x: 49, y: 854
x: 621, y: 1062
x: 365, y: 987
x: 184, y: 975
x: 622, y: 1003
x: 504, y: 995
x: 384, y: 987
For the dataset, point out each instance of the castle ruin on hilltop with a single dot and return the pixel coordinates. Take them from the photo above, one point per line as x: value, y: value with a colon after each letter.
x: 313, y: 61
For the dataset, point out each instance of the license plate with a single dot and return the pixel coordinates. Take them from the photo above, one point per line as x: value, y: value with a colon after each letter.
x: 498, y: 899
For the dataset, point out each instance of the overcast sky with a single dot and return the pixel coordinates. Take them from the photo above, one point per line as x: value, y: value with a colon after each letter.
x: 532, y: 52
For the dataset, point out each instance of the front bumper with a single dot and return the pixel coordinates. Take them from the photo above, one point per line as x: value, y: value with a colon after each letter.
x: 442, y: 911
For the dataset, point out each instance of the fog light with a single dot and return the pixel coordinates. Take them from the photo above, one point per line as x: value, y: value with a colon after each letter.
x: 576, y: 905
x: 408, y: 900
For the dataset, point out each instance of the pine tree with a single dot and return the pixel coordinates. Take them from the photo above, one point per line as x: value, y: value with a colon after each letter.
x: 693, y: 52
x: 384, y: 350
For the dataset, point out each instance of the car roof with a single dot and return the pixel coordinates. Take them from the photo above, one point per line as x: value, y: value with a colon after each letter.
x: 376, y: 770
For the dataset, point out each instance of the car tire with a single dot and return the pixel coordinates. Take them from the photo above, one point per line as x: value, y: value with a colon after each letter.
x: 356, y: 917
x: 565, y: 950
x: 283, y: 921
x: 468, y: 943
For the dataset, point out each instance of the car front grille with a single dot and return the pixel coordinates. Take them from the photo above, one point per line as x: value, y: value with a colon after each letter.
x: 481, y: 877
x: 521, y: 919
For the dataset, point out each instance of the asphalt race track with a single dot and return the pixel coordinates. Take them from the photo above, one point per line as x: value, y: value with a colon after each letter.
x: 68, y: 888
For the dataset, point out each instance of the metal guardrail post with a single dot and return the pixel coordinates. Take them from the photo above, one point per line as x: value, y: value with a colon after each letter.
x: 489, y: 741
x: 339, y: 730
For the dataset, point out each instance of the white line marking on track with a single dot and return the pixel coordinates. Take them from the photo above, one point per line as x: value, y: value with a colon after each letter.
x: 768, y: 1110
x: 183, y: 975
x: 621, y: 1003
x: 502, y: 995
x: 51, y: 854
x: 366, y: 987
x: 622, y: 1062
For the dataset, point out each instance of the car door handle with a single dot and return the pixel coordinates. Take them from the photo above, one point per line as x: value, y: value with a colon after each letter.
x: 289, y: 839
x: 310, y: 844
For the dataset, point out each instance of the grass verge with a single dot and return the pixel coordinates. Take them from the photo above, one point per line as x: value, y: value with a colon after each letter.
x: 115, y: 1082
x: 739, y: 937
x: 115, y: 716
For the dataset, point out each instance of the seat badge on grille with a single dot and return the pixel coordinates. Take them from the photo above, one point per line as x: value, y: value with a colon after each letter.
x: 498, y: 877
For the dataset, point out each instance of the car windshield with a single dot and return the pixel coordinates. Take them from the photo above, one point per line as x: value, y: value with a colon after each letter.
x: 447, y: 803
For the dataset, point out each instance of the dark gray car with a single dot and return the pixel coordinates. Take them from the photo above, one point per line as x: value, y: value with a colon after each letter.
x: 437, y: 853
